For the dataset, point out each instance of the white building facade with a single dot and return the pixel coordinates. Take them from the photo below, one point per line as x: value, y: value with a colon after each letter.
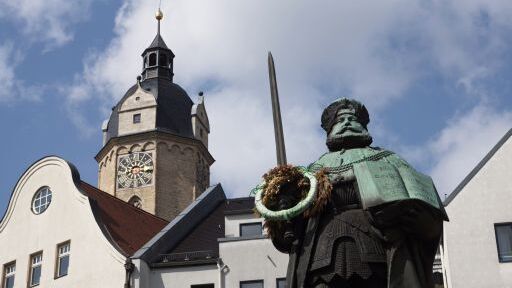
x: 30, y: 240
x: 215, y: 242
x: 59, y: 231
x: 477, y: 242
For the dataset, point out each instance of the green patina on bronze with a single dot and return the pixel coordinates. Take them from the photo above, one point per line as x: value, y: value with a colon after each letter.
x: 382, y: 176
x: 381, y: 221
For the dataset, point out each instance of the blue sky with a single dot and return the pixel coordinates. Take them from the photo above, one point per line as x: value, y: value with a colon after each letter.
x: 435, y: 76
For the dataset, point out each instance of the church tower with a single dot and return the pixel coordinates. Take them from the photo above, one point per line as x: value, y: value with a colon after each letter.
x: 155, y: 144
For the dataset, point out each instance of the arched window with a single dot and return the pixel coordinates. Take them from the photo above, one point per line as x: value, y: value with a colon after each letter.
x: 152, y: 59
x: 135, y: 202
x: 163, y: 60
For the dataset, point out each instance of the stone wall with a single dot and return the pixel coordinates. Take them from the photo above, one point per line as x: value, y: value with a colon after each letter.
x: 181, y: 172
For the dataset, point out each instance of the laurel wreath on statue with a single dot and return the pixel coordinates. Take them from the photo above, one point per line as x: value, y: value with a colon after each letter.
x: 311, y: 191
x: 292, y: 212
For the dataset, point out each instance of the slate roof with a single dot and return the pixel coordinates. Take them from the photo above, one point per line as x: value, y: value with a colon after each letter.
x: 158, y: 42
x: 239, y: 205
x: 477, y: 168
x: 128, y: 228
x: 181, y: 226
x: 174, y: 106
x: 201, y: 243
x: 204, y: 236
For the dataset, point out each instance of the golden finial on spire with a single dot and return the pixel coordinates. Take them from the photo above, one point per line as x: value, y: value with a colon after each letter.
x: 159, y: 15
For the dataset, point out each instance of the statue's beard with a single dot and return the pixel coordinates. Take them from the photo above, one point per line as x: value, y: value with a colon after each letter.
x: 338, y: 142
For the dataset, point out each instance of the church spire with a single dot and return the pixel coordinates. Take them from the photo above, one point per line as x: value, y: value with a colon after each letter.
x: 158, y: 58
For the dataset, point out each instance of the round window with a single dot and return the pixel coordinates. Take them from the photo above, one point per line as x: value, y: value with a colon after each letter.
x: 41, y: 200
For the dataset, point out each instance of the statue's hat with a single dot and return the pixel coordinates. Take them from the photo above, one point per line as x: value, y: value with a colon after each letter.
x: 344, y: 105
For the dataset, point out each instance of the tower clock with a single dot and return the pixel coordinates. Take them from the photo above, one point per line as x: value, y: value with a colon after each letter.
x: 135, y: 170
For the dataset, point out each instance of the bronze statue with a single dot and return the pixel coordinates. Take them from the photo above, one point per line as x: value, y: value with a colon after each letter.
x: 374, y: 221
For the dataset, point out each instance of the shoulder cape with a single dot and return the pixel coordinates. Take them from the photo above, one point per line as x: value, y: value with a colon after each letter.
x: 382, y: 177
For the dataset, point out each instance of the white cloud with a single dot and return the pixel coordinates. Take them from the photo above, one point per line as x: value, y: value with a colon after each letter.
x: 13, y: 89
x: 45, y: 20
x: 6, y: 71
x: 464, y: 142
x: 242, y: 139
x: 323, y: 50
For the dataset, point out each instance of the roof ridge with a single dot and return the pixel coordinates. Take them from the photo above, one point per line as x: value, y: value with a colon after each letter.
x: 477, y: 168
x: 123, y: 202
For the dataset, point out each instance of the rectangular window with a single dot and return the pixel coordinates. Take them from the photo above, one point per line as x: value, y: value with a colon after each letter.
x: 136, y: 118
x: 203, y: 286
x: 504, y: 241
x: 36, y: 261
x: 281, y: 282
x: 251, y: 284
x: 62, y: 262
x: 251, y: 229
x: 9, y: 271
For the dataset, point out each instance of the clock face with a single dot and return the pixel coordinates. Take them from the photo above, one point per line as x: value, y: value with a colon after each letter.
x: 135, y: 170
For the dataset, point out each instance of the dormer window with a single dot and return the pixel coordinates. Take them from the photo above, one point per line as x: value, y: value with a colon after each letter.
x: 136, y: 118
x: 152, y: 59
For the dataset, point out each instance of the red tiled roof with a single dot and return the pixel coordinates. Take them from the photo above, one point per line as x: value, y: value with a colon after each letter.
x: 128, y: 227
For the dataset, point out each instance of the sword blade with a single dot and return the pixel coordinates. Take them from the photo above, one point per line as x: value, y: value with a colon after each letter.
x: 276, y: 113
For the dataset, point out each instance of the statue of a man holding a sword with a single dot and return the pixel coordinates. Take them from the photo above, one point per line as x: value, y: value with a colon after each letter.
x: 359, y: 216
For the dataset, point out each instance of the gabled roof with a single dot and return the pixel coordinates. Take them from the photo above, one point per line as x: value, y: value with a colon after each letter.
x: 186, y: 222
x: 204, y: 236
x: 126, y: 227
x: 477, y: 168
x: 201, y: 245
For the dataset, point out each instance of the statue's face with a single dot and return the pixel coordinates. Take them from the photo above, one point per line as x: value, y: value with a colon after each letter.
x: 346, y: 125
x: 347, y: 132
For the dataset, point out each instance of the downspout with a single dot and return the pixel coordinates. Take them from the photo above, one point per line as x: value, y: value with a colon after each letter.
x: 223, y: 268
x: 129, y: 267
